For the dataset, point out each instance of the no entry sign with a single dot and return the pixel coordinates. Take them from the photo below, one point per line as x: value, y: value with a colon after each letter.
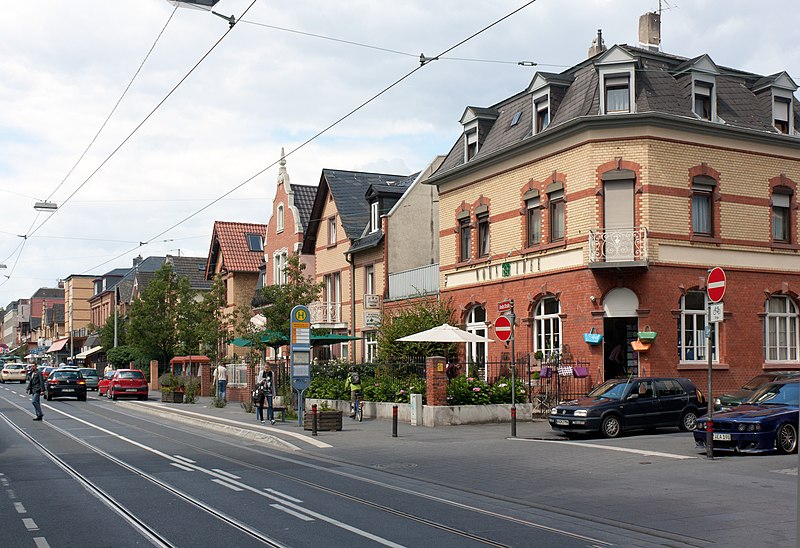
x: 502, y: 328
x: 715, y: 285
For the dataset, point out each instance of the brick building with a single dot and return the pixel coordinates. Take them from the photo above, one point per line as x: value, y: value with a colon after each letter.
x: 597, y: 198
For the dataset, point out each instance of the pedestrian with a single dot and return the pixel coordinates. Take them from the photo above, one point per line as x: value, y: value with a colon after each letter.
x: 353, y: 382
x: 36, y: 389
x: 267, y: 388
x: 221, y: 376
x: 107, y: 369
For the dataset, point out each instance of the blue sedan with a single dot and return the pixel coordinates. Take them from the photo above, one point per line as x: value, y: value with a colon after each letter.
x: 767, y: 421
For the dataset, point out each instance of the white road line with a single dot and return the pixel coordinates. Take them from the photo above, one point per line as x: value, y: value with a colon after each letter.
x: 292, y: 512
x: 11, y: 494
x: 226, y: 474
x: 182, y: 467
x: 184, y: 459
x: 228, y: 485
x: 30, y: 525
x: 41, y: 542
x: 4, y: 482
x: 20, y: 508
x: 643, y: 452
x: 284, y: 495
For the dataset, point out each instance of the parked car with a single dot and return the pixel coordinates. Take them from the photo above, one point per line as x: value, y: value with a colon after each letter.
x: 46, y: 370
x: 127, y: 382
x: 728, y: 401
x: 12, y: 372
x: 620, y: 405
x: 102, y: 386
x: 767, y: 421
x: 91, y: 377
x: 63, y: 383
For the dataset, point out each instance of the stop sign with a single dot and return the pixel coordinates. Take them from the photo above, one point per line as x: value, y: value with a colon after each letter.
x: 502, y: 328
x: 715, y: 285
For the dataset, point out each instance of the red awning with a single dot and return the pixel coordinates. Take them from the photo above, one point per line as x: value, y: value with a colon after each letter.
x: 58, y: 345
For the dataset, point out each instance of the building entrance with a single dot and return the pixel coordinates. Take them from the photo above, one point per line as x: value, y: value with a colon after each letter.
x: 619, y: 358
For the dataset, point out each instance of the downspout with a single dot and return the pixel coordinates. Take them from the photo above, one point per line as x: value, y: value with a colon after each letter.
x: 352, y: 331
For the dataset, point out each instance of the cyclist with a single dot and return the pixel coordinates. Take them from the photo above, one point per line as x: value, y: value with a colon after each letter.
x: 353, y: 382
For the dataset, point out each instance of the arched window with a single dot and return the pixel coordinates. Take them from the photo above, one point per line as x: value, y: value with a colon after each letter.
x: 781, y: 330
x: 547, y: 326
x: 691, y: 329
x: 279, y: 219
x: 477, y: 351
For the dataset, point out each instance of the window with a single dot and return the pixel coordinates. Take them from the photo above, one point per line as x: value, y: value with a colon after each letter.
x: 370, y: 346
x: 477, y: 352
x: 237, y: 373
x: 374, y: 218
x: 332, y: 231
x: 515, y: 119
x: 781, y: 110
x: 542, y: 114
x: 534, y: 222
x: 702, y: 194
x: 464, y: 229
x: 781, y: 215
x: 617, y: 94
x: 781, y: 330
x: 691, y: 329
x: 279, y: 219
x: 483, y: 234
x: 703, y: 96
x: 369, y: 280
x: 255, y: 242
x: 547, y: 326
x: 279, y: 260
x: 471, y: 145
x: 556, y: 200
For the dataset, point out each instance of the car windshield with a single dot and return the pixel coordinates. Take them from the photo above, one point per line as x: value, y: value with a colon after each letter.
x: 66, y: 375
x: 9, y: 367
x: 756, y: 381
x: 131, y: 375
x: 89, y: 372
x: 777, y: 394
x: 613, y: 390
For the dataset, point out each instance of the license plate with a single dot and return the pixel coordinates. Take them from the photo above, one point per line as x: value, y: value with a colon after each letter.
x: 131, y: 390
x: 562, y: 422
x: 722, y: 437
x: 68, y: 390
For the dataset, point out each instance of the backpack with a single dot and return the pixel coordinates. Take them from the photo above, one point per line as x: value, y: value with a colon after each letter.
x: 355, y: 378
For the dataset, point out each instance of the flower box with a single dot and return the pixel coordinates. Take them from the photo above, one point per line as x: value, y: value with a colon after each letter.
x: 326, y: 420
x: 171, y: 396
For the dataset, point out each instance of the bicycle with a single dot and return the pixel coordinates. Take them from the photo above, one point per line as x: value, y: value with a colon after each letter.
x: 358, y: 408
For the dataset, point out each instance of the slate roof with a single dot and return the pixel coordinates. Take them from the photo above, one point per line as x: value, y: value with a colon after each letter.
x: 125, y: 284
x: 48, y: 293
x: 304, y: 202
x: 193, y: 268
x: 229, y: 240
x: 661, y: 87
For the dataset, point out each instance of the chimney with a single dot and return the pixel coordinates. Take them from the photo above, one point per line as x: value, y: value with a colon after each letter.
x: 650, y: 31
x: 598, y: 46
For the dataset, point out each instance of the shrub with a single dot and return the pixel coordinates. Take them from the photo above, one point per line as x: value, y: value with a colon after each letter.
x: 216, y: 402
x: 501, y: 391
x: 467, y: 391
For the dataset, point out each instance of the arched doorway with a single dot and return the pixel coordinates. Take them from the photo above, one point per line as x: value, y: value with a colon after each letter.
x: 620, y: 328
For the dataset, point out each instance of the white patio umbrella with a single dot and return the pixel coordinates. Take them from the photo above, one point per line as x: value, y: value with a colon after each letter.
x: 445, y: 333
x: 258, y: 320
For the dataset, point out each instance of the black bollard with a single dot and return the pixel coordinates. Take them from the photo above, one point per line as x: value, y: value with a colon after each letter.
x: 394, y: 421
x: 314, y: 419
x: 513, y: 421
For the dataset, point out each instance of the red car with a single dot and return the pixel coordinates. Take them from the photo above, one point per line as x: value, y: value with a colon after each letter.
x: 102, y: 386
x: 125, y: 383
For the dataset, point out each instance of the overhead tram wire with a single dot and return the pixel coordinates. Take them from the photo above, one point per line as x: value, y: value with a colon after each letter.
x: 316, y: 135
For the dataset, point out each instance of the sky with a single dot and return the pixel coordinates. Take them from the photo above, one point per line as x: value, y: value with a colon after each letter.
x: 198, y: 133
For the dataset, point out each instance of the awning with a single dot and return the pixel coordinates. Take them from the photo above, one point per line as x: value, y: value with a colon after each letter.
x: 84, y: 355
x: 58, y: 345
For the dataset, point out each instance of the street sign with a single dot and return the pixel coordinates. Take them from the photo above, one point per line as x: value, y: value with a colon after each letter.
x: 502, y: 328
x: 503, y: 306
x: 715, y: 313
x: 715, y: 285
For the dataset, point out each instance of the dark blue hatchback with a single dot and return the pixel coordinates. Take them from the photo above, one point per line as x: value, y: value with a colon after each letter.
x: 767, y: 421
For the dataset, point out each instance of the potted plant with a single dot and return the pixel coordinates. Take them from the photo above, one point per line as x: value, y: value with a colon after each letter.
x: 327, y: 419
x: 172, y: 390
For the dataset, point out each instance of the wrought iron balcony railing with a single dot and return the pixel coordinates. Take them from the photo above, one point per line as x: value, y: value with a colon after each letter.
x: 618, y: 245
x: 325, y: 312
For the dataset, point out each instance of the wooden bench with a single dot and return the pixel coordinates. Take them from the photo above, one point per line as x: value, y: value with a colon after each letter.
x: 279, y: 409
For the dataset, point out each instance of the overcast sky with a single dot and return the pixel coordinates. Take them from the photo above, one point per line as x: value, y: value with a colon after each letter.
x: 64, y: 64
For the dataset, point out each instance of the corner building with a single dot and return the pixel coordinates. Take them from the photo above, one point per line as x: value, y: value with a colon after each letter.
x: 597, y: 198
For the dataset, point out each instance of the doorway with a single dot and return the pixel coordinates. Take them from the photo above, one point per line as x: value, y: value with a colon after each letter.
x: 619, y: 358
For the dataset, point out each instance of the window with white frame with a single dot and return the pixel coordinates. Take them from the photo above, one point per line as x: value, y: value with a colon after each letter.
x: 617, y: 94
x: 547, y: 326
x: 471, y: 145
x: 369, y: 280
x: 782, y: 330
x: 280, y: 260
x: 279, y: 219
x: 237, y: 373
x: 556, y: 200
x: 333, y: 296
x: 534, y: 221
x: 477, y: 352
x: 483, y: 234
x: 703, y: 100
x: 374, y: 217
x: 370, y: 346
x: 691, y: 329
x: 332, y: 231
x: 781, y: 114
x: 542, y: 113
x: 781, y: 215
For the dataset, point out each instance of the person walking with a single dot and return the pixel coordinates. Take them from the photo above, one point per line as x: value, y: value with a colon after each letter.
x: 36, y: 389
x: 221, y: 376
x: 267, y: 387
x: 353, y: 382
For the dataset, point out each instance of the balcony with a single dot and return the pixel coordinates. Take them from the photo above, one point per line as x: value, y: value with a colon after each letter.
x: 618, y: 248
x: 326, y: 314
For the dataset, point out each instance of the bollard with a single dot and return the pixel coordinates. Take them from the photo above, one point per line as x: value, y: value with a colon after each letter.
x: 394, y: 421
x: 314, y: 419
x: 513, y: 421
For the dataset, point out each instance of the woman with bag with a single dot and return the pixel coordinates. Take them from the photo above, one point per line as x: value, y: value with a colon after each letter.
x: 266, y: 388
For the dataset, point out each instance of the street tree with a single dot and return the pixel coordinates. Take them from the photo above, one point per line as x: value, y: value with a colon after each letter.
x: 420, y: 314
x: 214, y: 326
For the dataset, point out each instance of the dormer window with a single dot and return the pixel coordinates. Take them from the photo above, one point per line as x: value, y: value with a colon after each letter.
x: 374, y: 217
x: 542, y: 109
x: 782, y: 114
x: 471, y: 145
x: 617, y: 94
x: 703, y: 100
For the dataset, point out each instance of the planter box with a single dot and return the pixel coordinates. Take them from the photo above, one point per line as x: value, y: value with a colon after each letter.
x: 326, y: 420
x: 172, y: 397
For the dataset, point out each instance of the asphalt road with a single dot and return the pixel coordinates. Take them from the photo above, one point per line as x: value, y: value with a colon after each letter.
x: 99, y: 473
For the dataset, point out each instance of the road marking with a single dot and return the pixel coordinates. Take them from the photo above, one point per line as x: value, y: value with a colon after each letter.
x: 228, y: 485
x: 20, y: 508
x: 226, y: 474
x: 184, y: 459
x: 4, y: 482
x: 41, y: 542
x: 284, y: 495
x: 611, y: 448
x: 30, y: 525
x: 182, y: 467
x: 292, y: 512
x: 11, y: 494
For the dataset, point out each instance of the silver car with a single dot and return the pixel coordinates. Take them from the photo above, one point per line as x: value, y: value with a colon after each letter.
x: 91, y: 376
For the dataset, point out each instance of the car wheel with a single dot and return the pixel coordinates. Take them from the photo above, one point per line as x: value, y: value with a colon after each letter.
x: 688, y: 421
x: 611, y: 427
x: 114, y: 397
x: 786, y: 439
x: 82, y: 398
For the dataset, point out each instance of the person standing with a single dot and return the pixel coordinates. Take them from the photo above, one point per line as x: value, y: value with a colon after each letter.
x: 353, y: 382
x: 221, y: 375
x: 267, y: 387
x: 35, y: 389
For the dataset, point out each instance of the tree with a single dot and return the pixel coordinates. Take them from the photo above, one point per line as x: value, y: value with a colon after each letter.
x: 107, y: 332
x: 121, y: 356
x: 214, y: 327
x: 159, y: 318
x: 419, y: 315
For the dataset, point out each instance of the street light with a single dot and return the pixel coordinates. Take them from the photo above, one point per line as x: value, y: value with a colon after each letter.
x: 44, y: 205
